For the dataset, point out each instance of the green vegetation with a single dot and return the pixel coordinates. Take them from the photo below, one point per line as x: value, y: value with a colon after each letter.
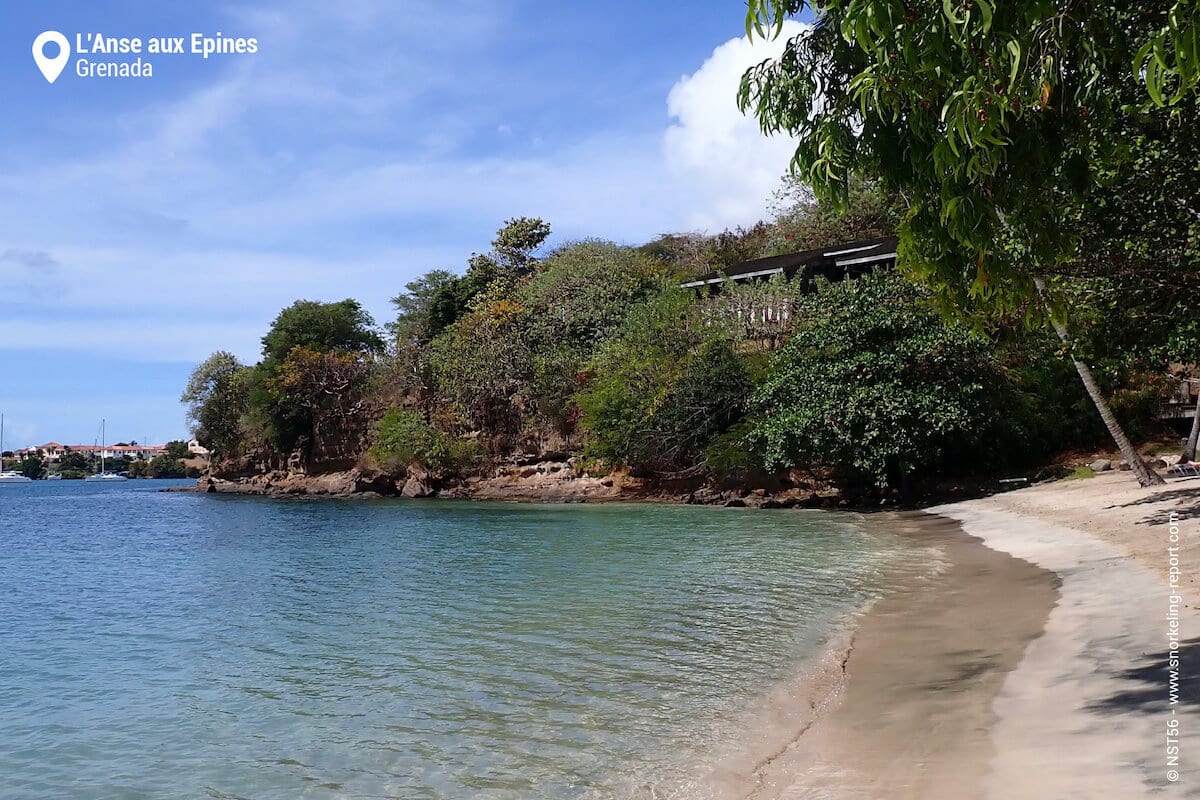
x: 1080, y: 473
x: 1038, y: 167
x: 1020, y: 135
x: 593, y: 349
x: 178, y: 450
x: 72, y: 462
x: 402, y: 438
x: 217, y: 396
x: 664, y: 387
x: 874, y: 383
x: 165, y: 466
x: 32, y: 467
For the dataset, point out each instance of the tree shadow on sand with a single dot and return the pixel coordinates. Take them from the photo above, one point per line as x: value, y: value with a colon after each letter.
x: 1187, y: 505
x: 1150, y: 683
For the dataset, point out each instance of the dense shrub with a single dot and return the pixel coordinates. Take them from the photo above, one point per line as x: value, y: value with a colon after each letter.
x: 402, y: 437
x: 875, y: 385
x: 663, y: 388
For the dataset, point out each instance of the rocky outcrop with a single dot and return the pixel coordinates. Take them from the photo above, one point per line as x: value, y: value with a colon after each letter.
x: 347, y: 483
x: 558, y: 480
x: 546, y: 481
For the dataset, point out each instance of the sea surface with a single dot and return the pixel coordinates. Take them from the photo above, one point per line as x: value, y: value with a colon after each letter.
x: 176, y: 645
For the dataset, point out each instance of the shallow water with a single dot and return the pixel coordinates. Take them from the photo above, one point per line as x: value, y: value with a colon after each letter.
x: 160, y: 645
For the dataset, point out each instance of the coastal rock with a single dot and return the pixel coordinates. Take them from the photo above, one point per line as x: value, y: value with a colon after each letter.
x: 734, y: 502
x: 417, y: 487
x: 1101, y: 465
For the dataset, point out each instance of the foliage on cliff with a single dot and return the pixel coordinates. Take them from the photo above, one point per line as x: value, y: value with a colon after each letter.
x: 592, y: 348
x: 875, y: 384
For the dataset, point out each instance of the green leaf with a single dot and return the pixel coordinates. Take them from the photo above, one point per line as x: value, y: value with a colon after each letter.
x: 948, y: 10
x: 985, y: 14
x: 1014, y: 50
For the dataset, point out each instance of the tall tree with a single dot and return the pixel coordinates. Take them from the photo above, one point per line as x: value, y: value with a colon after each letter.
x: 321, y: 327
x: 216, y: 396
x: 418, y: 311
x: 992, y: 119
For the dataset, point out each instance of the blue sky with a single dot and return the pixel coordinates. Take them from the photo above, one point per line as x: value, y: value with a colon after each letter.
x: 145, y: 223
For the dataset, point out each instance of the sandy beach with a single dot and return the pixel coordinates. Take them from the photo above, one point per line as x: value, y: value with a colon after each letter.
x: 1035, y: 666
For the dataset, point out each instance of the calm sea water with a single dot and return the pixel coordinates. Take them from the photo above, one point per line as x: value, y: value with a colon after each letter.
x: 157, y: 645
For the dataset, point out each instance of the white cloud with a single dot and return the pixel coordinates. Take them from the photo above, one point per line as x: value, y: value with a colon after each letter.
x: 720, y: 153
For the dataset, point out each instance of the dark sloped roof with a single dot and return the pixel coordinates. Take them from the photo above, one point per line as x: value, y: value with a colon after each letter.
x: 833, y: 263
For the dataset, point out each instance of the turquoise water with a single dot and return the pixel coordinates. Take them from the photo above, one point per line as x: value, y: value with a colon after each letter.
x: 168, y: 645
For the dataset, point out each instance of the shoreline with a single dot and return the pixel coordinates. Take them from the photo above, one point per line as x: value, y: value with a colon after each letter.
x: 927, y: 659
x: 558, y: 482
x: 1086, y: 712
x: 984, y: 686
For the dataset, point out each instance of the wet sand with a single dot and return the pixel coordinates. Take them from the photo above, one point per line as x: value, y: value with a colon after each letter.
x: 926, y: 663
x: 1034, y: 666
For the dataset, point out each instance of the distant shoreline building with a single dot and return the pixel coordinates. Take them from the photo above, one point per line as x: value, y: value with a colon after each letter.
x: 52, y: 452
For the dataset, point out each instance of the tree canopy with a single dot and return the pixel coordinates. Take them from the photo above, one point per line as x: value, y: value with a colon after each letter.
x: 321, y: 327
x: 876, y: 385
x: 996, y: 122
x: 216, y: 396
x: 991, y: 118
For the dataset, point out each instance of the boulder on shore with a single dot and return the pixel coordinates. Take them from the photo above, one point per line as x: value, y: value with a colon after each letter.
x: 417, y: 487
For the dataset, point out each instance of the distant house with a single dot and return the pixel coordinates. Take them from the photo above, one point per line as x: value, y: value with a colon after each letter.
x: 766, y: 317
x: 832, y: 263
x: 52, y: 452
x: 197, y: 449
x: 135, y: 452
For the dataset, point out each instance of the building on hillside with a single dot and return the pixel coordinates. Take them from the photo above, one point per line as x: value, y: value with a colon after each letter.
x: 766, y: 316
x: 832, y: 263
x: 197, y: 449
x: 135, y: 452
x: 52, y: 452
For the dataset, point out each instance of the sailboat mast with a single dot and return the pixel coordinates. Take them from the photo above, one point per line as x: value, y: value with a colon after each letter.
x: 103, y: 444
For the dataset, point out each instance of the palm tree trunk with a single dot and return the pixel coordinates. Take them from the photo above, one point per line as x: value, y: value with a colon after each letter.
x: 1145, y: 475
x: 1189, y: 450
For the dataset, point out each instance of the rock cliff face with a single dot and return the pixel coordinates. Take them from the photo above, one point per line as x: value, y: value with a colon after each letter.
x: 552, y: 481
x: 540, y: 474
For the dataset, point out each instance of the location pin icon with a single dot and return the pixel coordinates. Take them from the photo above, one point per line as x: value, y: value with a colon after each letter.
x: 51, y: 67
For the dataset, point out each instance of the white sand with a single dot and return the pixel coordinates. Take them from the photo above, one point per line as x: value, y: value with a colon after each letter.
x: 1085, y: 713
x: 1033, y: 668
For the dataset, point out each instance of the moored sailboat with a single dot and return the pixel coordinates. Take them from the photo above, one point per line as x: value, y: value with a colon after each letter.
x: 102, y: 475
x: 8, y: 475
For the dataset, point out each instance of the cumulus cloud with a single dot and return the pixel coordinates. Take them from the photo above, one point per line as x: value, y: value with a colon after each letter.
x: 719, y: 153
